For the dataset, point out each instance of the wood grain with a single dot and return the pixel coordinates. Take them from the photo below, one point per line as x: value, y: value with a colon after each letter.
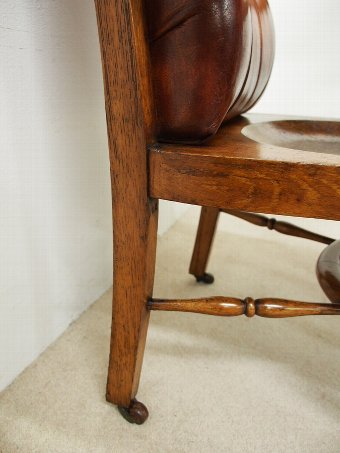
x: 129, y: 125
x: 234, y: 172
x: 218, y: 306
x: 204, y: 238
x: 320, y: 136
x: 228, y: 306
x: 279, y: 226
x: 280, y: 308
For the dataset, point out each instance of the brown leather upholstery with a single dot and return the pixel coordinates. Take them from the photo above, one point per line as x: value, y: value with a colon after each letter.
x: 211, y: 60
x: 328, y: 271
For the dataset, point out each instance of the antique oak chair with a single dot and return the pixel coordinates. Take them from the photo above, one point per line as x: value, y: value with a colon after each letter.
x: 177, y: 75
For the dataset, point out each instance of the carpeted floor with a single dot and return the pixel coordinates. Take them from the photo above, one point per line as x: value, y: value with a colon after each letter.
x: 211, y: 384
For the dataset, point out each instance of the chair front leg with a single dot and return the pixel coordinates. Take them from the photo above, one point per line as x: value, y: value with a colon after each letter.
x: 135, y: 214
x: 134, y: 265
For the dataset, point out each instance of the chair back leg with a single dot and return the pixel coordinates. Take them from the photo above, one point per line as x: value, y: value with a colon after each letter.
x: 134, y: 213
x: 203, y: 243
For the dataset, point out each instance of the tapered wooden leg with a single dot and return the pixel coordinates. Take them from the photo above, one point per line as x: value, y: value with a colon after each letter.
x: 134, y: 263
x: 135, y: 234
x: 204, y: 239
x: 135, y: 214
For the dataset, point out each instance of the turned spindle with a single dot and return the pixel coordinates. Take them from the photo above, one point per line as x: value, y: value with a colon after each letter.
x: 228, y: 306
x: 279, y: 226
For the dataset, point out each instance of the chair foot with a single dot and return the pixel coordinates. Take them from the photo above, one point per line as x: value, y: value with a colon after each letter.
x: 205, y: 278
x: 136, y: 413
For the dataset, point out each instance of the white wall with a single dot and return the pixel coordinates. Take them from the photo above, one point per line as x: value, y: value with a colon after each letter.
x: 306, y: 74
x: 55, y: 218
x: 55, y: 207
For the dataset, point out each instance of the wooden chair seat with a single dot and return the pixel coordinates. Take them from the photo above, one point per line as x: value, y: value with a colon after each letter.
x: 258, y: 163
x: 328, y: 271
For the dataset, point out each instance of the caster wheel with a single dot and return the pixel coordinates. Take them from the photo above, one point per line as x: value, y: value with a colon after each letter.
x: 205, y: 278
x: 136, y: 413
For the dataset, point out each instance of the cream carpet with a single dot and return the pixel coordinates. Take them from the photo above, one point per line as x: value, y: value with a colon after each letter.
x: 211, y: 384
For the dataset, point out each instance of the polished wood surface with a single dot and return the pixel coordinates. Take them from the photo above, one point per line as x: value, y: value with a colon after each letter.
x: 234, y: 172
x: 228, y: 306
x: 328, y: 271
x: 210, y: 62
x: 312, y: 136
x: 129, y: 126
x: 279, y: 226
x: 204, y: 238
x: 218, y: 306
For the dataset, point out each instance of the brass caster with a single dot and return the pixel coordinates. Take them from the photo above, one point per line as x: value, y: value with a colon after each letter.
x: 136, y: 413
x: 205, y: 278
